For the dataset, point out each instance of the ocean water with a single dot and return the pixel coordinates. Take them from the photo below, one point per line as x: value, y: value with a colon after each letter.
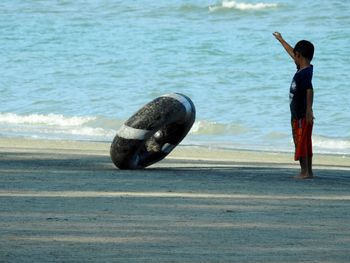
x: 78, y: 69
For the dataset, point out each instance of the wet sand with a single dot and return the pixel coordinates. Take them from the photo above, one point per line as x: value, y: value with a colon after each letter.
x: 66, y: 202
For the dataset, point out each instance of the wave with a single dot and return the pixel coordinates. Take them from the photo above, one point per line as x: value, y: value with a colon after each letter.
x: 93, y: 126
x: 54, y: 126
x: 241, y: 6
x: 215, y: 128
x: 189, y: 7
x: 330, y: 145
x: 203, y: 132
x: 49, y: 119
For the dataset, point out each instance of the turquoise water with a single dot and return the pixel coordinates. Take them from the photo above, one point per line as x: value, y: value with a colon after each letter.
x: 78, y: 69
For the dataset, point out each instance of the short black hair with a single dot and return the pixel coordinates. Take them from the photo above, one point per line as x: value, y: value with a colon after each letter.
x: 305, y: 48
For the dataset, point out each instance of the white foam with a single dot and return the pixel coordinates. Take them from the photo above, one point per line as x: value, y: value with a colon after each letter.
x: 330, y: 145
x: 241, y: 6
x: 56, y: 126
x: 49, y: 119
x: 53, y: 126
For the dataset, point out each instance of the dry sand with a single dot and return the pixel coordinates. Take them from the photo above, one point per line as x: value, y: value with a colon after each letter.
x: 66, y: 202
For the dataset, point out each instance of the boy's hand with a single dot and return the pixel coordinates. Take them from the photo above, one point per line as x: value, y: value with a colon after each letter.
x: 277, y: 35
x: 309, y: 116
x: 286, y: 46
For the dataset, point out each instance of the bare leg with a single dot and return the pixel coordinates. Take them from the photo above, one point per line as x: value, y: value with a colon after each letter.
x: 306, y: 168
x: 309, y: 168
x: 305, y: 162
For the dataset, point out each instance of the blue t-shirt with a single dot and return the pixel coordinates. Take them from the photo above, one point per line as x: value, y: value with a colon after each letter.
x: 302, y: 81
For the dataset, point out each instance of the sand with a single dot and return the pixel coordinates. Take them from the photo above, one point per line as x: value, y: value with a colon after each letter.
x: 66, y: 202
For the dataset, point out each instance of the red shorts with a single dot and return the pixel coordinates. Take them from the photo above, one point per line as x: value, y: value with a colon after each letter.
x: 302, y: 132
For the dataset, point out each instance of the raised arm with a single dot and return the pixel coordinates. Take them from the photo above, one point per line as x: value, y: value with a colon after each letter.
x: 286, y: 46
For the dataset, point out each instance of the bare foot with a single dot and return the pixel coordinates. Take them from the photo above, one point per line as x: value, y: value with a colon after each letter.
x: 303, y: 176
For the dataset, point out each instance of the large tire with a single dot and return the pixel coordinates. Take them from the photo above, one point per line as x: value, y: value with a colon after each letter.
x: 153, y: 132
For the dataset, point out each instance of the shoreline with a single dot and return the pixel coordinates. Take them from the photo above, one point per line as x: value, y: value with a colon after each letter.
x: 181, y: 152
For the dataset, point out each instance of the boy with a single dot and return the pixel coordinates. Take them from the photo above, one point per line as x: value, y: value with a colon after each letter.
x: 301, y: 99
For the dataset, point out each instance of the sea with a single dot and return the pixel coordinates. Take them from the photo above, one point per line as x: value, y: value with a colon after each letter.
x: 77, y: 70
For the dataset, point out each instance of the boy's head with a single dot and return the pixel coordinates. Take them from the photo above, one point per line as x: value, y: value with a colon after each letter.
x: 305, y: 49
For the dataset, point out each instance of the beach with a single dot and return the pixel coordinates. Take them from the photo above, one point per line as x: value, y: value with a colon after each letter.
x: 78, y: 70
x: 73, y: 72
x: 64, y: 201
